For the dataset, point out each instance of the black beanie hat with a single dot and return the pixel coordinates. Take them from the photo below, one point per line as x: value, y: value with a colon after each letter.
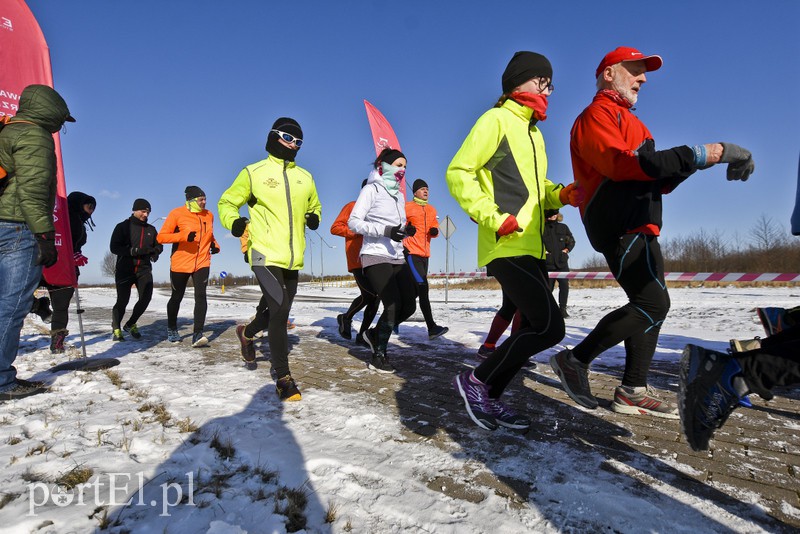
x: 550, y: 213
x: 419, y: 183
x: 524, y: 66
x: 389, y: 155
x: 287, y: 125
x: 193, y: 191
x: 140, y: 204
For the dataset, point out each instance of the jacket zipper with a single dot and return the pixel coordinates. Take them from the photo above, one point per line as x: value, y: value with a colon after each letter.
x: 289, y: 211
x: 538, y: 192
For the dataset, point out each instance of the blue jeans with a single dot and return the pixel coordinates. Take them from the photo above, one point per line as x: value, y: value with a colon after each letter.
x: 20, y: 275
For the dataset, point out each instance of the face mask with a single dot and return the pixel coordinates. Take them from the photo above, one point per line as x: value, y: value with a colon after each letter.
x: 275, y: 148
x: 392, y: 176
x: 538, y: 103
x: 193, y: 206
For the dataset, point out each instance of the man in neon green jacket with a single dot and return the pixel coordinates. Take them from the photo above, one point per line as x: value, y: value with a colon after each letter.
x: 499, y: 177
x: 282, y: 201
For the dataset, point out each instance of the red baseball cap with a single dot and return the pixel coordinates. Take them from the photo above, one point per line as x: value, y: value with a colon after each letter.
x: 626, y: 53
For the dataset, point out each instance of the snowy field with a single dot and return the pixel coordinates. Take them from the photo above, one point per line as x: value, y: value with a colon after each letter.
x: 185, y: 440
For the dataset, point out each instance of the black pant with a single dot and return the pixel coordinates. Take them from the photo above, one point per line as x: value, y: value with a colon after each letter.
x: 776, y: 363
x: 144, y: 286
x: 419, y: 270
x: 179, y: 282
x: 638, y: 266
x: 278, y: 288
x: 395, y: 287
x: 60, y: 297
x: 524, y: 280
x: 563, y: 291
x: 368, y: 298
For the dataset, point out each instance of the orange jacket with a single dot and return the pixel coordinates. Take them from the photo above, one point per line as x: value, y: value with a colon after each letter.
x: 188, y: 257
x: 423, y: 218
x: 352, y: 240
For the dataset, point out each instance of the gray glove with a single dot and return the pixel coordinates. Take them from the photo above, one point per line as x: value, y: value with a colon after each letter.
x: 739, y: 160
x: 395, y: 233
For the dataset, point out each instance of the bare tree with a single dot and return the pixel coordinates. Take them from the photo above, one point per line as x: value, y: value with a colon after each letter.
x: 767, y: 234
x: 109, y: 266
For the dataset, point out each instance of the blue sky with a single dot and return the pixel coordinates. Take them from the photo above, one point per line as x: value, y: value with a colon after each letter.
x: 170, y: 94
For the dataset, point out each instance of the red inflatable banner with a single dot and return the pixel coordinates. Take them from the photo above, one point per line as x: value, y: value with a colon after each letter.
x: 25, y: 60
x: 382, y: 135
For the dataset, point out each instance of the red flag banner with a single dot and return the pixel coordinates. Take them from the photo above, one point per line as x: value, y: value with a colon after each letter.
x: 382, y: 134
x: 25, y: 60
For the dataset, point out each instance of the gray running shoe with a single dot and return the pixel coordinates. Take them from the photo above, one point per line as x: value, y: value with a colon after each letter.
x: 574, y: 377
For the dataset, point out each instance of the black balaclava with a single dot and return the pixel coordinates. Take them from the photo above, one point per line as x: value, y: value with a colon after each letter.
x: 274, y: 147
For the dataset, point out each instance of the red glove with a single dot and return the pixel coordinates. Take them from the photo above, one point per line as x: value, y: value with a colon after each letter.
x: 571, y: 194
x: 80, y: 259
x: 509, y: 225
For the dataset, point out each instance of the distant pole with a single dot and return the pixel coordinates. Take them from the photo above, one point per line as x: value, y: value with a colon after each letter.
x: 321, y: 266
x: 446, y: 267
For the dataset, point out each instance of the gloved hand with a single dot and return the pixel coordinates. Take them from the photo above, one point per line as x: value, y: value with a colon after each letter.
x: 740, y: 161
x: 246, y: 260
x: 48, y: 255
x: 395, y: 233
x: 410, y: 230
x: 142, y: 251
x: 433, y: 232
x: 509, y: 226
x: 571, y: 194
x: 214, y: 248
x: 154, y: 257
x: 80, y: 259
x: 238, y: 226
x: 312, y: 221
x: 191, y: 236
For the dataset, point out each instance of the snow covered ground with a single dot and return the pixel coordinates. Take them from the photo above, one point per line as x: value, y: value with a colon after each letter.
x: 185, y: 440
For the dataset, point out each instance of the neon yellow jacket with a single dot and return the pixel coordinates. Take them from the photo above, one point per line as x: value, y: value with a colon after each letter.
x: 279, y: 194
x: 501, y: 169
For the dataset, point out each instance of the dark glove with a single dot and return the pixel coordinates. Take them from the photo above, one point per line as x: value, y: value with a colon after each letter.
x: 154, y: 258
x: 312, y: 221
x: 191, y: 236
x: 80, y: 259
x: 739, y: 160
x: 410, y: 230
x: 48, y: 255
x: 214, y: 248
x: 238, y: 226
x: 394, y: 233
x: 246, y: 260
x: 433, y: 232
x: 142, y: 251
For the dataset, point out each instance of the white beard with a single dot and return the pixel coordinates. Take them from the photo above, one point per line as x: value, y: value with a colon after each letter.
x: 625, y: 92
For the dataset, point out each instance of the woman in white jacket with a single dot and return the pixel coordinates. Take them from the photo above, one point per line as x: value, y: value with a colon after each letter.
x: 380, y: 216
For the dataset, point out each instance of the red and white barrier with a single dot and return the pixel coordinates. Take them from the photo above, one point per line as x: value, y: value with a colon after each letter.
x: 673, y: 277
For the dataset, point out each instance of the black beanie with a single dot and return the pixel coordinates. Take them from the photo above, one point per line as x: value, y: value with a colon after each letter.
x: 550, y: 213
x: 193, y: 191
x: 290, y: 126
x: 389, y: 155
x: 419, y: 183
x: 524, y: 66
x: 140, y: 204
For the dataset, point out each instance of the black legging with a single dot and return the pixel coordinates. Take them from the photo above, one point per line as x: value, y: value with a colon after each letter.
x: 368, y: 299
x: 395, y: 287
x: 563, y: 290
x: 179, y: 281
x: 144, y: 286
x: 638, y: 266
x: 524, y: 280
x: 278, y: 288
x: 60, y: 297
x: 419, y: 270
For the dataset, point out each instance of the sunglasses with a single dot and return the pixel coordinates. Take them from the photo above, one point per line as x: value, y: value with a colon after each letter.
x: 289, y: 138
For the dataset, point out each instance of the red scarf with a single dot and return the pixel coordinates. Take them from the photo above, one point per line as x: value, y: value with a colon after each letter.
x: 616, y: 97
x: 538, y: 103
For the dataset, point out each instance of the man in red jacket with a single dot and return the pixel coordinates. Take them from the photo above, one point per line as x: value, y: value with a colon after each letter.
x: 423, y: 217
x: 624, y: 177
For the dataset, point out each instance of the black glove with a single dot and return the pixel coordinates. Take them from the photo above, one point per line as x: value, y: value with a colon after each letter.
x: 142, y: 251
x: 394, y: 233
x: 238, y: 226
x: 214, y: 248
x: 154, y: 258
x: 312, y: 221
x: 191, y: 236
x: 410, y: 230
x: 246, y: 260
x: 433, y: 232
x: 48, y: 255
x: 739, y: 160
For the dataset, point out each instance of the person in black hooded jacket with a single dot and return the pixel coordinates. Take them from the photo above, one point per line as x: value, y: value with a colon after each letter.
x: 134, y: 242
x: 558, y: 242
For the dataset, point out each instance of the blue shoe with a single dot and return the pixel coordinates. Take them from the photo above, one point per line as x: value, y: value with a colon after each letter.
x: 173, y: 336
x: 711, y: 387
x: 772, y: 319
x: 476, y: 400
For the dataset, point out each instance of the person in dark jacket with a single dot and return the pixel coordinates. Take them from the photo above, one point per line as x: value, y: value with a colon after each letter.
x: 80, y: 207
x: 135, y: 245
x: 27, y: 230
x: 558, y: 242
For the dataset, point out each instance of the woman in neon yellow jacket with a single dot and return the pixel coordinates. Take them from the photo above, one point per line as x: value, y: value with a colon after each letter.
x: 499, y: 177
x: 282, y: 200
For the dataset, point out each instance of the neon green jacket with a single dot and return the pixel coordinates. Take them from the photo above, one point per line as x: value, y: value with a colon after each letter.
x: 279, y: 194
x: 501, y: 169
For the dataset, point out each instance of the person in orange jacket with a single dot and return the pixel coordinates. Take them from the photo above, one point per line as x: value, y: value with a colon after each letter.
x: 423, y: 216
x: 190, y: 230
x: 369, y: 297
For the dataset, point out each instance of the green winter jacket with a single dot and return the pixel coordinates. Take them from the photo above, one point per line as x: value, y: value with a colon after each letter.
x: 501, y: 169
x: 27, y: 153
x: 279, y: 194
